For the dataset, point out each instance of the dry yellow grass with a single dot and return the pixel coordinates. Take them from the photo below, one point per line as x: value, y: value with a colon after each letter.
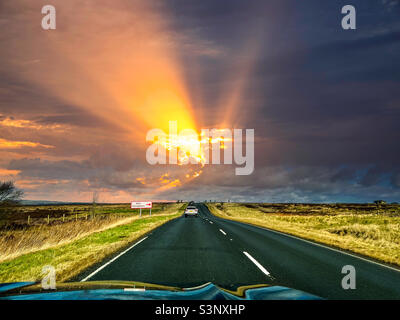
x: 71, y: 256
x: 14, y: 243
x: 370, y: 234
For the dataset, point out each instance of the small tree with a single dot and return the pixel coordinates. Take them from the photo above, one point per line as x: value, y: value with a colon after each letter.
x: 9, y: 193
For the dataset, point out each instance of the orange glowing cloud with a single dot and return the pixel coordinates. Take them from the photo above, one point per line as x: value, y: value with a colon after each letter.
x: 6, y: 172
x: 21, y: 123
x: 7, y: 144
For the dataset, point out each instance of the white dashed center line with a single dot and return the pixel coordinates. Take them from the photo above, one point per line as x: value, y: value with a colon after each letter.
x: 223, y: 232
x: 259, y: 266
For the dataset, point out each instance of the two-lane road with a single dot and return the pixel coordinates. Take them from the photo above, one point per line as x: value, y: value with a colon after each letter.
x: 187, y: 252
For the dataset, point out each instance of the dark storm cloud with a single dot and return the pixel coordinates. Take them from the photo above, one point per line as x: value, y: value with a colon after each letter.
x: 19, y: 98
x: 43, y: 169
x: 73, y: 117
x: 71, y: 173
x: 99, y: 163
x: 318, y: 96
x: 296, y: 184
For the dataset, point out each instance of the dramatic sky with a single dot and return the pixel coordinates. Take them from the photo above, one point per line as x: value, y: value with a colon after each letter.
x: 76, y: 102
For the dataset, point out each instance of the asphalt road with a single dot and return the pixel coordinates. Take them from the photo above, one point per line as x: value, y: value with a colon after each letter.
x: 187, y: 252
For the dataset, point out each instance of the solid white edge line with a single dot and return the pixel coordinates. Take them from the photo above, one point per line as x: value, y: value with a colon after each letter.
x: 112, y: 260
x: 222, y: 231
x: 259, y: 266
x: 320, y: 245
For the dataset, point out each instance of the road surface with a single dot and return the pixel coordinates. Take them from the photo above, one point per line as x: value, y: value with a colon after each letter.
x: 187, y: 252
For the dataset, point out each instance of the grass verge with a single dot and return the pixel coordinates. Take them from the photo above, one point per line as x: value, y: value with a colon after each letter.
x: 370, y: 234
x: 18, y: 238
x: 71, y: 259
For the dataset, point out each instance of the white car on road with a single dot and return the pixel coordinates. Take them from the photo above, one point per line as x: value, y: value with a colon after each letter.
x: 191, y: 211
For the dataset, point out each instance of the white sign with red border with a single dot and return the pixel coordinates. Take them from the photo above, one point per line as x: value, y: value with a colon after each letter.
x: 141, y: 205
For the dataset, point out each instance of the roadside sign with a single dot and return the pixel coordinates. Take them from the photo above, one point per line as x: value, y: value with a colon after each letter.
x: 141, y: 205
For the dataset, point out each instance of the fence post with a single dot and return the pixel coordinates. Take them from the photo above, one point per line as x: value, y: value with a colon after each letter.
x: 29, y: 219
x: 63, y: 217
x: 48, y: 219
x: 76, y: 217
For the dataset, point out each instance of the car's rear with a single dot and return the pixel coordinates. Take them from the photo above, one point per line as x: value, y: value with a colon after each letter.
x: 191, y: 211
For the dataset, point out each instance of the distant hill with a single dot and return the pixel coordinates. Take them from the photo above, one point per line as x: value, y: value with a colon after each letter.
x: 49, y: 203
x: 46, y: 202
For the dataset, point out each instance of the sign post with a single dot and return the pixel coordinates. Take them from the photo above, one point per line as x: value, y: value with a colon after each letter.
x: 141, y: 205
